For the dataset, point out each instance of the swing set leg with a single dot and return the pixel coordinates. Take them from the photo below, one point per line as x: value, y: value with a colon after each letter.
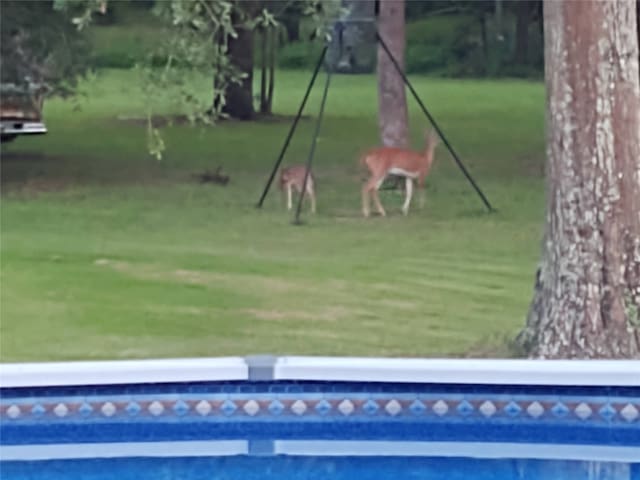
x: 292, y: 129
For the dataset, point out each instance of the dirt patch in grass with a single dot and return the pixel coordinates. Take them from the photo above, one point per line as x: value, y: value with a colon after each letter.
x: 33, y: 187
x: 330, y: 314
x: 27, y: 157
x: 29, y: 174
x: 239, y: 281
x: 398, y: 304
x: 236, y: 280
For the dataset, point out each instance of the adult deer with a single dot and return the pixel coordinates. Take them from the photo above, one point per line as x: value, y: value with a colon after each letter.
x: 411, y: 165
x: 292, y: 178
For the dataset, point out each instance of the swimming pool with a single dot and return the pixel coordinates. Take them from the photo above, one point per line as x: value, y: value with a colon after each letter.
x: 312, y: 417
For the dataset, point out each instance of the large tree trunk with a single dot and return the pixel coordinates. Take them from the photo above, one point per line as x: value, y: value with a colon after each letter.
x: 392, y: 100
x: 498, y: 18
x: 273, y: 47
x: 263, y: 71
x: 291, y: 23
x: 268, y: 67
x: 239, y: 101
x: 587, y: 297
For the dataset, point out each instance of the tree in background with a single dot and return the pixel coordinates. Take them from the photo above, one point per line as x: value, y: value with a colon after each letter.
x: 511, y: 36
x: 40, y: 48
x: 587, y: 294
x: 481, y: 38
x: 525, y: 11
x: 239, y: 95
x: 211, y: 37
x: 264, y: 18
x: 269, y: 33
x: 392, y: 101
x: 290, y: 18
x: 262, y: 23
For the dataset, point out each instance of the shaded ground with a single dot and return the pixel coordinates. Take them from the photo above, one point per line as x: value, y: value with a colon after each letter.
x: 160, y: 121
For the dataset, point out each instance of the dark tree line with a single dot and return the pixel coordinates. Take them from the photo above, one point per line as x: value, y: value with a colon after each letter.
x: 526, y: 15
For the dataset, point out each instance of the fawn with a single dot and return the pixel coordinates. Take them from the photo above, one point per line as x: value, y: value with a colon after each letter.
x: 292, y: 178
x: 409, y: 164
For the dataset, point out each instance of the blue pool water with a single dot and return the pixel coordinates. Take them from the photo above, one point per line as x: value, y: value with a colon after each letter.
x: 320, y: 468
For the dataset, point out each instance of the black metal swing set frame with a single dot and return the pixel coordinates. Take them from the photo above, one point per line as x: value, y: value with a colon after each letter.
x: 339, y: 27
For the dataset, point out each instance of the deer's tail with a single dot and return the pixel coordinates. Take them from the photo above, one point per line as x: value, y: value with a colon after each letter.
x: 433, y: 139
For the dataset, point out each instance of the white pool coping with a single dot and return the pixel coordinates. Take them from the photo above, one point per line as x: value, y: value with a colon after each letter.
x: 320, y: 448
x: 123, y: 372
x: 494, y: 450
x: 465, y: 371
x: 331, y: 369
x: 75, y: 451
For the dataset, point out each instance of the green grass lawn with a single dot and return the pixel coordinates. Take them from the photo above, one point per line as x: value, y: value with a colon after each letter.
x: 108, y: 253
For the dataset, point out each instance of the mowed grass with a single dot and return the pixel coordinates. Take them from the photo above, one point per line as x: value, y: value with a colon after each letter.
x: 108, y: 253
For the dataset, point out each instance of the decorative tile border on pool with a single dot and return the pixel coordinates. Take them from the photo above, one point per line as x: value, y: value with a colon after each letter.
x: 209, y: 396
x: 318, y: 401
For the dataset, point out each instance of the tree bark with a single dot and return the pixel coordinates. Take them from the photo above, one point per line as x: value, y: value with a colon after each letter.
x: 587, y: 296
x: 239, y: 101
x: 291, y: 23
x: 392, y: 101
x: 263, y: 71
x: 268, y: 67
x: 273, y: 46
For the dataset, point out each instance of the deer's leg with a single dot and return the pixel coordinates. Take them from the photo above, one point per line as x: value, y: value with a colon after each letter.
x: 376, y: 197
x: 407, y: 201
x: 367, y: 188
x: 365, y: 200
x: 312, y: 196
x: 289, y: 197
x: 421, y: 193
